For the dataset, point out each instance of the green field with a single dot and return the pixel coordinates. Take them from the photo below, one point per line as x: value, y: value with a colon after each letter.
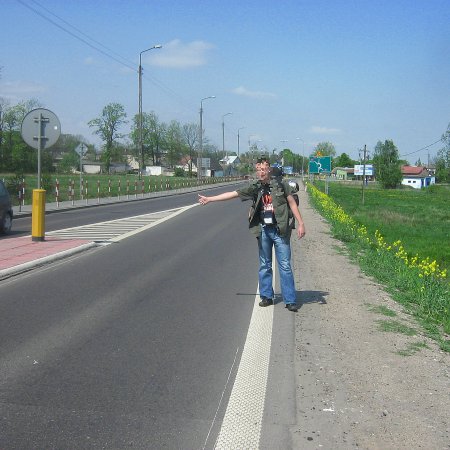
x: 419, y: 218
x: 401, y: 239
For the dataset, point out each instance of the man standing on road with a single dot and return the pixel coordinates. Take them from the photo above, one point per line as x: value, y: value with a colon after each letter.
x: 270, y: 219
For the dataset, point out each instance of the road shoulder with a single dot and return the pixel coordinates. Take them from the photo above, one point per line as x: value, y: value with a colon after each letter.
x: 354, y: 387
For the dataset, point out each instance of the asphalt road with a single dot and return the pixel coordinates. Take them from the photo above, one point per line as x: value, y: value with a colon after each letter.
x: 133, y: 345
x: 107, y: 211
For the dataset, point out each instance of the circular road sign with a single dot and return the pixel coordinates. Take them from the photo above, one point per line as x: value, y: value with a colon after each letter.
x: 41, y: 125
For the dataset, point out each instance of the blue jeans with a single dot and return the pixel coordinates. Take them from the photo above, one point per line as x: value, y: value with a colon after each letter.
x: 269, y: 237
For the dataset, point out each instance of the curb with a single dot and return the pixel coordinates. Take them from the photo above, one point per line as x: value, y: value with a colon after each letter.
x: 25, y: 267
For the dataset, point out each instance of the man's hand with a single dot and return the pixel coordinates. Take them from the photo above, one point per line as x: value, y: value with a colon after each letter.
x: 301, y: 230
x: 202, y: 199
x: 295, y: 211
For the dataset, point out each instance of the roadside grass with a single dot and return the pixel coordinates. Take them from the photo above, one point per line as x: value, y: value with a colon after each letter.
x: 381, y: 309
x: 418, y: 283
x: 394, y: 326
x: 419, y: 217
x: 70, y: 187
x: 412, y: 348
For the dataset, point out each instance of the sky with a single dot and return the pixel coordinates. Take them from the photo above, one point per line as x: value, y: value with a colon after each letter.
x: 292, y: 73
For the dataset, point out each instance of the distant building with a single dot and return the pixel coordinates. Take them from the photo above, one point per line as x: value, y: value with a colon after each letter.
x: 230, y: 165
x: 185, y: 162
x: 343, y: 173
x: 417, y: 177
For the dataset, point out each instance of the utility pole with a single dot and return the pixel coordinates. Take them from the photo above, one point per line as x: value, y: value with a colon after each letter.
x: 364, y: 173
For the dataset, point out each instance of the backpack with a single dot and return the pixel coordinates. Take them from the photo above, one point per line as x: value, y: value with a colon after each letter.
x: 294, y: 190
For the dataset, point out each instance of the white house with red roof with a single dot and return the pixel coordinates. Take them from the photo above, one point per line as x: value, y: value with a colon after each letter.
x: 417, y: 177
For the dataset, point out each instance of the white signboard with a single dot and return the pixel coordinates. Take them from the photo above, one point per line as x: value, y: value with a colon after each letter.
x: 205, y: 163
x: 359, y: 169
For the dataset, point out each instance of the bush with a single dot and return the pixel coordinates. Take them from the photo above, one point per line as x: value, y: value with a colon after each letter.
x: 179, y: 172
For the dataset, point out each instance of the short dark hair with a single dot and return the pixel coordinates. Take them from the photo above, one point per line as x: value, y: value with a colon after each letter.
x: 263, y: 159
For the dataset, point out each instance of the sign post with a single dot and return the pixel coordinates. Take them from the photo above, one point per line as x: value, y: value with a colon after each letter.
x: 40, y: 130
x: 321, y: 164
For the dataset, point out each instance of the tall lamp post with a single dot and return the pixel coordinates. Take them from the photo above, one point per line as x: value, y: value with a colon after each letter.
x: 239, y: 129
x: 282, y: 157
x: 141, y: 145
x: 250, y: 146
x: 199, y: 162
x: 223, y: 130
x: 303, y: 158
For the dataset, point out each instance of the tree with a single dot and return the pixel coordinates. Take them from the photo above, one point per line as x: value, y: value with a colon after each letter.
x: 343, y: 160
x: 107, y: 127
x: 190, y: 132
x: 442, y: 160
x: 152, y: 137
x: 16, y: 155
x: 174, y: 142
x: 288, y: 157
x: 70, y: 162
x: 387, y: 164
x: 324, y: 149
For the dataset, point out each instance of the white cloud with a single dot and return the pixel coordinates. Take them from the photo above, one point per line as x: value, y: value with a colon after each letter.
x: 241, y: 90
x: 16, y: 90
x: 179, y: 55
x: 21, y: 87
x: 324, y: 130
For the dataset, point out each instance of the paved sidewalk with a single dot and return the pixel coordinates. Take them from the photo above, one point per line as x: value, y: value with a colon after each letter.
x: 22, y: 254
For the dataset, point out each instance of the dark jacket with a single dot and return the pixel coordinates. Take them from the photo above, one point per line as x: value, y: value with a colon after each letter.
x: 280, y: 191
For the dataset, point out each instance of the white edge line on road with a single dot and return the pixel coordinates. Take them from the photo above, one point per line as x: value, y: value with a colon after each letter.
x: 242, y: 424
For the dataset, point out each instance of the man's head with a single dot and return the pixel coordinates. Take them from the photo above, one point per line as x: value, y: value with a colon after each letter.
x: 263, y: 169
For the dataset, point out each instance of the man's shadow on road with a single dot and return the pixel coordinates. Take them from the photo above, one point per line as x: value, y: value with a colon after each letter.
x: 306, y: 297
x: 303, y: 297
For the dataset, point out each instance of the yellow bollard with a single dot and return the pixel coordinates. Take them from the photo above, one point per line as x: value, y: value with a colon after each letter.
x: 38, y: 215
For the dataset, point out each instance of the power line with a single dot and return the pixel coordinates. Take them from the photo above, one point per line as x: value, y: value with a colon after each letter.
x: 81, y: 32
x: 424, y: 148
x: 107, y: 52
x: 74, y: 35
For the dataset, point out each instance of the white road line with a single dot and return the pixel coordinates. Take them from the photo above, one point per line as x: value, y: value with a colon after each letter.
x: 150, y: 225
x: 116, y: 230
x: 241, y: 426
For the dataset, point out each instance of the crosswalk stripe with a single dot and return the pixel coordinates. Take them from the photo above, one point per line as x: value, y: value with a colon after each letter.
x: 118, y: 229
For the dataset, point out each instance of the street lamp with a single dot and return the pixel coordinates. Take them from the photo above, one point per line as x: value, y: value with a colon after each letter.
x: 239, y: 129
x: 303, y: 158
x: 223, y: 131
x: 141, y: 145
x: 282, y: 157
x: 250, y: 145
x: 199, y: 162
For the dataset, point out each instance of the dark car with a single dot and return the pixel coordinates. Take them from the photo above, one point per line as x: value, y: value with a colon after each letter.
x: 6, y: 212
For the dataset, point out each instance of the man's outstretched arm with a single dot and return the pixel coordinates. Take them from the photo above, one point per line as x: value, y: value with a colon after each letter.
x: 203, y: 200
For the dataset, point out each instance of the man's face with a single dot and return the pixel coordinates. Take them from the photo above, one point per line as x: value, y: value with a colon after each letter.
x: 263, y: 171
